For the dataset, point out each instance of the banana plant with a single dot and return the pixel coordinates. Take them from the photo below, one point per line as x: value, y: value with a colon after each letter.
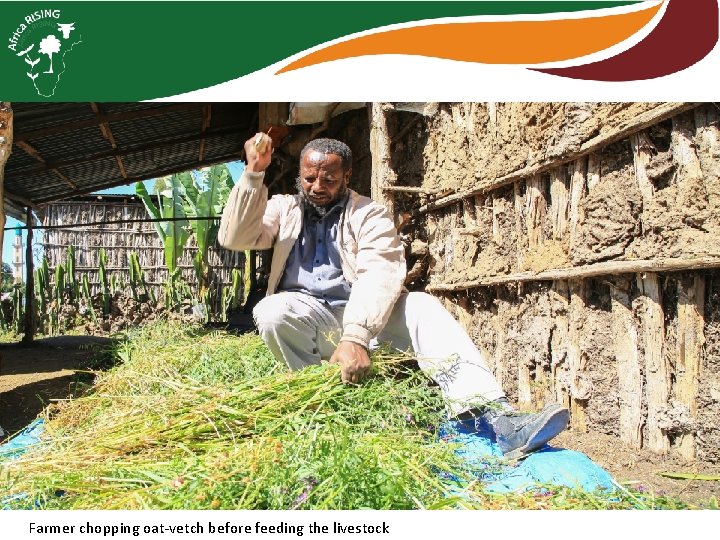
x: 173, y: 234
x: 206, y: 192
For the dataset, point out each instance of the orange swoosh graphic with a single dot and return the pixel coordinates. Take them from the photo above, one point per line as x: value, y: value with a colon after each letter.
x: 511, y: 42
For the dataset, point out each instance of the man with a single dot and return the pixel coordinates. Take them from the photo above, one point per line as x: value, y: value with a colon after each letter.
x: 335, y: 290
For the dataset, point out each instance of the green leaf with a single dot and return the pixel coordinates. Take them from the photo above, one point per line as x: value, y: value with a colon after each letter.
x: 150, y: 207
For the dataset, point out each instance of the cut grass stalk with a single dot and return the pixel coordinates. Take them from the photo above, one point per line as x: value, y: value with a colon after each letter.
x: 193, y: 419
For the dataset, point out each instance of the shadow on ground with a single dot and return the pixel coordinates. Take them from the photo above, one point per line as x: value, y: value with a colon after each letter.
x: 55, y: 368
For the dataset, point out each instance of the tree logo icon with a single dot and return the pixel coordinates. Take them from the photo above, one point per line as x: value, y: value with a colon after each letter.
x: 44, y: 40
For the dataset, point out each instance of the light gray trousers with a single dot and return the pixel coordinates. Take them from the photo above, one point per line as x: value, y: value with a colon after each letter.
x: 301, y: 330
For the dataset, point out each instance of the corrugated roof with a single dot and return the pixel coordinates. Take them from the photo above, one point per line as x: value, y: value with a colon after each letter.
x: 68, y: 149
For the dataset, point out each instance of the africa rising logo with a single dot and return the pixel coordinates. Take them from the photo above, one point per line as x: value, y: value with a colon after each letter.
x: 44, y: 40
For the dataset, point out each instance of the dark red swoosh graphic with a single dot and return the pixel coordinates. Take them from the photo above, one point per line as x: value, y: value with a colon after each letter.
x: 685, y: 35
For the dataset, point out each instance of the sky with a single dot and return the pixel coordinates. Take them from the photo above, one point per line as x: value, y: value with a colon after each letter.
x: 235, y: 167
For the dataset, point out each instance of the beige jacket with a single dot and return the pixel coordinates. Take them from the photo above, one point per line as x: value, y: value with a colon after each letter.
x: 373, y: 258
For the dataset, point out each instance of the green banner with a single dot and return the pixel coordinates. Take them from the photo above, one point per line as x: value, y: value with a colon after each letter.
x: 106, y: 51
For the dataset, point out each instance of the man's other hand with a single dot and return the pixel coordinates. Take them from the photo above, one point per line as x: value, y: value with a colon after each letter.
x: 354, y: 361
x: 258, y: 152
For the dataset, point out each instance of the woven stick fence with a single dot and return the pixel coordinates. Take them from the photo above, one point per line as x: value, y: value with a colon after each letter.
x: 119, y: 239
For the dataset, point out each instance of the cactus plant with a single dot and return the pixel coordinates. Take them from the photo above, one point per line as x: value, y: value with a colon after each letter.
x: 104, y: 284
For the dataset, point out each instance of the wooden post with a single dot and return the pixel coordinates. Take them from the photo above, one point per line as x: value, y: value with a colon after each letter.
x: 464, y: 312
x: 642, y: 149
x: 690, y: 341
x: 576, y: 291
x: 575, y: 356
x: 382, y: 172
x: 683, y: 151
x: 627, y: 355
x: 525, y: 397
x: 577, y: 192
x: 499, y: 366
x: 29, y: 283
x: 535, y: 211
x: 708, y: 139
x: 6, y: 141
x: 519, y: 247
x: 559, y: 201
x: 657, y: 373
x: 560, y: 295
x: 273, y: 113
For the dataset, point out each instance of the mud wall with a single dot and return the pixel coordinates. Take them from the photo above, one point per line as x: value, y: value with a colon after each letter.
x: 578, y: 243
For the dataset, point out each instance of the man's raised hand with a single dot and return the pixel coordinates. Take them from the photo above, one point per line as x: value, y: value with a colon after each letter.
x: 258, y: 152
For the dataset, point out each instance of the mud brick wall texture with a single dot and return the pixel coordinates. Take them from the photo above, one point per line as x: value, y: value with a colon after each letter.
x: 579, y: 244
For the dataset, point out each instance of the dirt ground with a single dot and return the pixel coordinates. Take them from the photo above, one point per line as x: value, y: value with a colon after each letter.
x: 49, y: 369
x: 640, y: 469
x: 55, y: 368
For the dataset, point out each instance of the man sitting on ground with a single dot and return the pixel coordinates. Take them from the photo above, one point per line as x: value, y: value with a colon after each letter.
x: 338, y: 269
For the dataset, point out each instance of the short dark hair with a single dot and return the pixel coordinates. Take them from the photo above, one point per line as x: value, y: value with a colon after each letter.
x: 330, y: 146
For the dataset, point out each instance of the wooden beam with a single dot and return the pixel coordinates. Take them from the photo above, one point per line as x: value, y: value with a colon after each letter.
x: 690, y: 342
x: 108, y: 135
x: 643, y: 150
x: 19, y: 199
x: 32, y: 152
x: 29, y: 284
x: 682, y: 144
x: 560, y: 308
x: 273, y: 113
x: 662, y: 112
x: 206, y: 117
x: 154, y: 174
x: 499, y: 364
x: 382, y: 173
x: 578, y: 174
x: 409, y: 189
x: 657, y: 372
x: 627, y: 356
x: 105, y: 118
x: 519, y: 205
x: 576, y: 356
x: 559, y: 203
x: 124, y: 152
x: 6, y: 143
x: 535, y: 211
x: 591, y: 270
x: 394, y: 139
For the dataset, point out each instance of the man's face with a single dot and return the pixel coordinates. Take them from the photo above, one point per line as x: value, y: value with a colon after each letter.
x: 323, y: 178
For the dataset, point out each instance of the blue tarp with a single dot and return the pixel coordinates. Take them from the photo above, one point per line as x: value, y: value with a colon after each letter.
x: 22, y: 441
x: 15, y: 447
x: 547, y: 466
